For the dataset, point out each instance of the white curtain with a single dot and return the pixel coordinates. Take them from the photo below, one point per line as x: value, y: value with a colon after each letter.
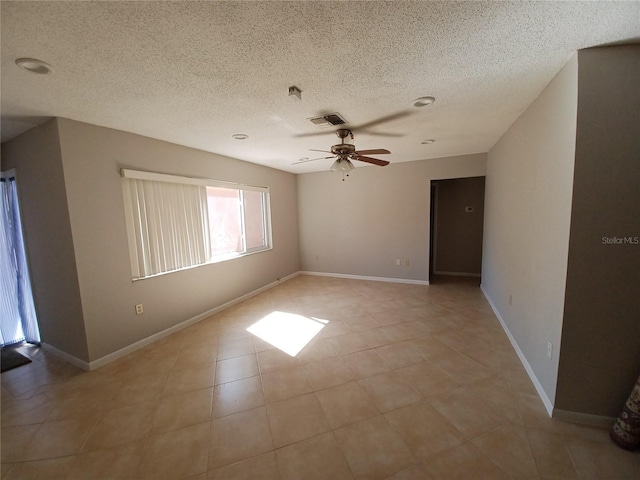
x: 18, y: 319
x: 168, y: 223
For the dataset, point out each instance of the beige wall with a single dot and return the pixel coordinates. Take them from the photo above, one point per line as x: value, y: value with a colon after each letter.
x: 526, y: 230
x: 379, y: 214
x: 458, y: 233
x: 77, y: 240
x: 600, y: 358
x: 45, y: 220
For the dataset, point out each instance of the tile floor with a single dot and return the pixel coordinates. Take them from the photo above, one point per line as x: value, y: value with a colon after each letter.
x: 403, y: 382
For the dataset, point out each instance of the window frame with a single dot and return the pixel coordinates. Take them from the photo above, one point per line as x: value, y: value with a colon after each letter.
x: 205, y: 182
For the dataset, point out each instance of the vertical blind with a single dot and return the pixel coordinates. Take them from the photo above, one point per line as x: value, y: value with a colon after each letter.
x: 179, y: 222
x: 170, y: 224
x: 18, y: 319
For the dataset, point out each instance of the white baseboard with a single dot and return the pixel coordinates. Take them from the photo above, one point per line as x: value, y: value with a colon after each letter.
x: 548, y: 404
x: 583, y: 418
x: 164, y: 333
x: 362, y: 277
x: 65, y: 356
x: 458, y: 274
x: 182, y: 325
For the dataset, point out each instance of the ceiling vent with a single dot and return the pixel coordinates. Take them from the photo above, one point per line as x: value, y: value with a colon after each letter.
x: 328, y: 120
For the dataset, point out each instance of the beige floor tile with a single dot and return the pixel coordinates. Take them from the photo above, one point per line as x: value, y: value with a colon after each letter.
x: 140, y: 389
x: 441, y: 340
x: 401, y: 354
x: 365, y: 364
x: 533, y: 413
x: 551, y: 455
x: 234, y: 397
x: 423, y: 429
x: 296, y: 419
x: 359, y: 321
x: 15, y: 442
x: 317, y: 349
x: 236, y: 368
x: 261, y: 346
x: 389, y: 391
x: 26, y: 412
x: 176, y: 454
x: 262, y: 467
x: 283, y: 384
x: 335, y: 328
x: 190, y: 378
x: 603, y: 461
x: 52, y: 469
x: 461, y: 463
x: 317, y: 458
x: 328, y: 373
x: 496, y: 393
x: 461, y: 368
x: 430, y: 347
x: 239, y: 436
x: 120, y: 463
x: 345, y: 404
x: 518, y: 380
x: 60, y: 438
x: 509, y: 448
x: 373, y: 449
x: 349, y: 343
x: 235, y: 347
x: 270, y: 360
x: 468, y: 413
x: 427, y: 379
x: 178, y: 411
x: 197, y: 354
x: 414, y: 472
x: 121, y: 425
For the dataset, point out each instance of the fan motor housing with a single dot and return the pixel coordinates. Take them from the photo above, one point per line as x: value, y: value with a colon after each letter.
x: 343, y: 149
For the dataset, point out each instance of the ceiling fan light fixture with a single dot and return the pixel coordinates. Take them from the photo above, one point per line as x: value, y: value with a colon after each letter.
x: 34, y: 65
x: 423, y: 101
x: 344, y: 166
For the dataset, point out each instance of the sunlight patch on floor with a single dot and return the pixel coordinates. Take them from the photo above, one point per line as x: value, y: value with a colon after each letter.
x: 288, y: 332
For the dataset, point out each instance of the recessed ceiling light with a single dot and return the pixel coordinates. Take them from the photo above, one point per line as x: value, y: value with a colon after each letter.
x: 34, y: 66
x: 427, y: 142
x: 240, y: 136
x: 423, y: 101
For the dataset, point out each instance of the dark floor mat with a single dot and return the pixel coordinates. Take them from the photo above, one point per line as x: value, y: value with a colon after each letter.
x: 11, y: 359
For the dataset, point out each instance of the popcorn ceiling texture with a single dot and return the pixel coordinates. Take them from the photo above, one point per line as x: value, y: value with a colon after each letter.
x: 195, y: 73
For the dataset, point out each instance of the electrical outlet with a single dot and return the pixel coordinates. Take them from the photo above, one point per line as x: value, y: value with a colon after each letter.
x: 139, y: 309
x: 398, y: 262
x: 549, y: 349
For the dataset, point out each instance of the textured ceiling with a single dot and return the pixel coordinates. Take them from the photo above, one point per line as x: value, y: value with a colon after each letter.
x: 195, y: 73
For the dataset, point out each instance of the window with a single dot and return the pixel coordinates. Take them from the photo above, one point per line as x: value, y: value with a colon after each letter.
x: 178, y: 222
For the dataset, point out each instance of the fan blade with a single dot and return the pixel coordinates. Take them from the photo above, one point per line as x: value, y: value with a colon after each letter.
x: 311, y: 160
x: 314, y: 134
x: 375, y: 161
x: 323, y: 151
x: 388, y: 118
x: 379, y: 151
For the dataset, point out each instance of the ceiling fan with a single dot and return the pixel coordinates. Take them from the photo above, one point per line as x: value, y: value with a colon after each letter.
x: 345, y: 152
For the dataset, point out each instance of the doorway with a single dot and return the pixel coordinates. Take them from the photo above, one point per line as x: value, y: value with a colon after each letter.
x: 456, y: 221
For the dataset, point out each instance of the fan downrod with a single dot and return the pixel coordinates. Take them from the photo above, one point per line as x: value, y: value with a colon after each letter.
x: 343, y: 133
